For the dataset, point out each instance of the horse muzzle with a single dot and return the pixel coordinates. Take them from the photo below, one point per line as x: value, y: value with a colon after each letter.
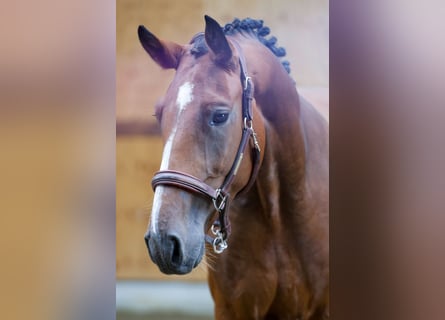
x: 171, y: 254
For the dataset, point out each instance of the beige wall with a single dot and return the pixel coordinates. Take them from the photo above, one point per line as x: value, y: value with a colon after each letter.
x: 300, y: 26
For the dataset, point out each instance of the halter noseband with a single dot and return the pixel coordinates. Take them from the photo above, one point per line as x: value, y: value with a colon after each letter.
x: 220, y: 196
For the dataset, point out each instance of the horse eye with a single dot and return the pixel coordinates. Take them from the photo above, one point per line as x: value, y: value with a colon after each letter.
x: 219, y: 117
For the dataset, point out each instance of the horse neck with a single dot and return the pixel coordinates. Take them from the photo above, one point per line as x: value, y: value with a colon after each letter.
x: 279, y: 103
x: 277, y: 98
x: 275, y: 91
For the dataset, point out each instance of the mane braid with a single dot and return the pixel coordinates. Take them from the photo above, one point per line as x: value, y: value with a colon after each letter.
x: 257, y: 28
x: 248, y: 25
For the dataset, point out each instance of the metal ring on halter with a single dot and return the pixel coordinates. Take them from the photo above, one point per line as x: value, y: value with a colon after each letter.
x: 248, y: 124
x: 219, y: 207
x: 216, y: 229
x: 219, y: 244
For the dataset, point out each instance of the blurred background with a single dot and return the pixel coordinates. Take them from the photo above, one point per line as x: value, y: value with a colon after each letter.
x: 301, y: 28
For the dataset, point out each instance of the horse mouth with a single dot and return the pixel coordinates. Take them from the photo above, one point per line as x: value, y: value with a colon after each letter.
x: 172, y: 269
x: 176, y: 268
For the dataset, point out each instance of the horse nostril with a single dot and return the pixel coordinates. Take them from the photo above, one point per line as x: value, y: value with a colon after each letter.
x: 176, y: 257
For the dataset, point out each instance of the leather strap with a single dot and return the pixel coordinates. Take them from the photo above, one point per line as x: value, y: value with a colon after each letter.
x: 238, y: 159
x: 184, y: 181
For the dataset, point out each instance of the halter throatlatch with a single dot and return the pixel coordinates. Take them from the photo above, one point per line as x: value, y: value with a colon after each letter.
x: 220, y: 196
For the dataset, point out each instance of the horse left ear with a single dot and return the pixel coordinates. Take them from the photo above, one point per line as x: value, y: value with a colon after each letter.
x: 217, y: 41
x: 164, y: 53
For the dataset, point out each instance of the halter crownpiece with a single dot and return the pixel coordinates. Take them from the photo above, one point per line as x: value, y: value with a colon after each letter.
x: 220, y: 196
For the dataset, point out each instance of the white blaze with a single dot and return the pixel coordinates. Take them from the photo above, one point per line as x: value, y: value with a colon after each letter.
x: 185, y: 96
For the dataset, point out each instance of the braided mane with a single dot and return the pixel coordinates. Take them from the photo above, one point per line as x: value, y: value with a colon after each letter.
x: 257, y: 28
x: 247, y: 25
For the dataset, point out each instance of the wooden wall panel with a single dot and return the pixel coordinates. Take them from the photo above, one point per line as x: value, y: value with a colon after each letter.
x: 137, y: 158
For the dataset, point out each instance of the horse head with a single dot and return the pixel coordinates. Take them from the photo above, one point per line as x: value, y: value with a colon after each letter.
x: 201, y: 121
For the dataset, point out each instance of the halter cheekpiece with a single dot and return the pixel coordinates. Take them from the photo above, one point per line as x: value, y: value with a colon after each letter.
x: 220, y: 196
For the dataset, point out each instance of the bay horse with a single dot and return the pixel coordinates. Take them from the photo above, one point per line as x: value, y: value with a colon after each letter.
x: 244, y: 177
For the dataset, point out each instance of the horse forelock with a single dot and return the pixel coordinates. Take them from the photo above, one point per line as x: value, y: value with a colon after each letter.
x: 247, y: 26
x: 199, y: 46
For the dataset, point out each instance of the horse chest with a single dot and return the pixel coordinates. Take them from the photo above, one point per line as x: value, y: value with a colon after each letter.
x: 262, y: 280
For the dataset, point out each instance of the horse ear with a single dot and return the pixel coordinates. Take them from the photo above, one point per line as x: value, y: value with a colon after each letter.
x: 164, y: 53
x: 217, y: 41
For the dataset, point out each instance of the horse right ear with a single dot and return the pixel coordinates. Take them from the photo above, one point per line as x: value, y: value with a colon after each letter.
x: 217, y: 41
x: 164, y: 53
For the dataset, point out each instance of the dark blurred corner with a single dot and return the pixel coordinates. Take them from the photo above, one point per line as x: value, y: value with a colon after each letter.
x: 387, y: 75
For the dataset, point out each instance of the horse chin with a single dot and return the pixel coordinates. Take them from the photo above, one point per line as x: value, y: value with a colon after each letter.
x: 182, y: 267
x: 180, y: 270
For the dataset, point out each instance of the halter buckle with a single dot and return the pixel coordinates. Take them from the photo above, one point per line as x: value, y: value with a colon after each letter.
x: 248, y: 124
x: 246, y: 82
x: 219, y: 201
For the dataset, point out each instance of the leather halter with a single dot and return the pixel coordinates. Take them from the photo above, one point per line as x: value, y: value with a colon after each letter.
x: 220, y: 196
